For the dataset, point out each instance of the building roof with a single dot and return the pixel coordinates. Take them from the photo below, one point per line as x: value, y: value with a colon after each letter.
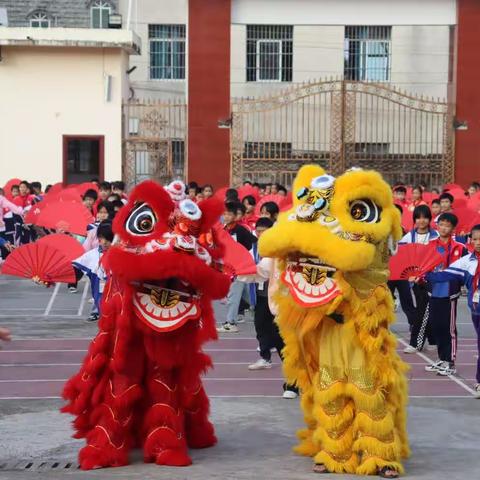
x: 71, y: 37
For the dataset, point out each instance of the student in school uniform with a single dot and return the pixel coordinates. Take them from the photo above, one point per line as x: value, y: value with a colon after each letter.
x: 466, y: 270
x: 422, y: 233
x: 90, y: 263
x: 442, y: 305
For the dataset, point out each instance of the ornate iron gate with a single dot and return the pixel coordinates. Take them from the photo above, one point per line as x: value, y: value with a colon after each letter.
x: 154, y: 141
x: 340, y: 124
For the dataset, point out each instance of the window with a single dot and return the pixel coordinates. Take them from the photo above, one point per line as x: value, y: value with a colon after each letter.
x: 83, y: 158
x: 167, y: 52
x: 178, y: 158
x: 368, y: 53
x: 39, y: 20
x: 100, y: 14
x: 269, y: 53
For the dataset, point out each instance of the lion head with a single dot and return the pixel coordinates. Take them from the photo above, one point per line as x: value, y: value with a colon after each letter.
x: 338, y: 232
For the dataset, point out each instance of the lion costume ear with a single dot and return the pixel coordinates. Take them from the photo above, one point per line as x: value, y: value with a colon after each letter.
x: 303, y: 179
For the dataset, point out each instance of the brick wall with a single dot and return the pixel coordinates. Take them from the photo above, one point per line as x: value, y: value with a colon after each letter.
x: 62, y: 13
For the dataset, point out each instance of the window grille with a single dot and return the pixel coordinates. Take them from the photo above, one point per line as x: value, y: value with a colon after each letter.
x: 167, y: 52
x: 269, y: 53
x: 100, y: 14
x: 267, y: 150
x: 178, y: 157
x: 368, y: 53
x: 39, y: 20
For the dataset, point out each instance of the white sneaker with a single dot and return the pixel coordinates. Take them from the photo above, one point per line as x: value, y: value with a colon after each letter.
x: 477, y: 390
x: 241, y: 319
x: 446, y: 369
x: 227, y: 328
x: 433, y: 367
x: 260, y: 364
x: 289, y: 394
x: 72, y: 289
x: 409, y: 349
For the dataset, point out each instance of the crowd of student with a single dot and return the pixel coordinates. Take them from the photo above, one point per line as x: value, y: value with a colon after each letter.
x: 429, y: 303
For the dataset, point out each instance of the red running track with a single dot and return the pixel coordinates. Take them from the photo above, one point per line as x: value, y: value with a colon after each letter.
x: 38, y: 368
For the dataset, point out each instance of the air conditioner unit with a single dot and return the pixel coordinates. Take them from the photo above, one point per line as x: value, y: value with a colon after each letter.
x: 3, y: 17
x: 115, y: 21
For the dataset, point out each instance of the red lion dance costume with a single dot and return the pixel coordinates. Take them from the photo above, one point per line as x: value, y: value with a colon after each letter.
x: 139, y: 384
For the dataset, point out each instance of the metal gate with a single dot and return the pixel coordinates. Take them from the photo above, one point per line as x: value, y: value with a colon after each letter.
x: 154, y: 142
x: 341, y: 124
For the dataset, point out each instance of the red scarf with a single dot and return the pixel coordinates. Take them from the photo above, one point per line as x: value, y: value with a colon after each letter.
x: 448, y: 250
x: 476, y: 277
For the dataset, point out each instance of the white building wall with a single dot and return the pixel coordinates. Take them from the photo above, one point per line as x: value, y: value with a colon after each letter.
x: 345, y: 12
x: 145, y: 12
x: 61, y: 92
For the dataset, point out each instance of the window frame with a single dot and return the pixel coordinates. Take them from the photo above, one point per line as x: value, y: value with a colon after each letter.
x: 171, y: 40
x: 256, y: 35
x: 101, y: 6
x: 39, y: 17
x: 258, y: 67
x: 364, y: 48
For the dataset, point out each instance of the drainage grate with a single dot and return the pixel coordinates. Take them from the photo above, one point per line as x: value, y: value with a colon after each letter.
x: 38, y: 466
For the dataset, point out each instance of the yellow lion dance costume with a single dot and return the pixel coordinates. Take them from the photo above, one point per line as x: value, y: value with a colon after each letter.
x: 334, y: 311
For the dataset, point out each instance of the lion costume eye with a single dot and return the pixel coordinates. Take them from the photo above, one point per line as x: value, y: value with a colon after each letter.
x: 190, y: 210
x: 365, y: 210
x: 141, y: 221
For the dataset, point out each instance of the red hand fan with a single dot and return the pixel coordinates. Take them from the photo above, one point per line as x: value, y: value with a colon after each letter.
x: 41, y: 261
x: 237, y: 258
x: 69, y: 246
x: 72, y: 217
x: 413, y: 260
x: 8, y: 187
x: 407, y: 220
x: 467, y: 218
x: 248, y: 190
x: 220, y: 193
x: 280, y: 200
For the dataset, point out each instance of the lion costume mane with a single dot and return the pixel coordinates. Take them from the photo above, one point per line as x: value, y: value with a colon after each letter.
x: 334, y: 312
x: 139, y: 384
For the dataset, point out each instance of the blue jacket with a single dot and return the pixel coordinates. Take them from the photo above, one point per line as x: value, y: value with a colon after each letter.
x: 449, y: 288
x: 462, y: 271
x: 411, y: 236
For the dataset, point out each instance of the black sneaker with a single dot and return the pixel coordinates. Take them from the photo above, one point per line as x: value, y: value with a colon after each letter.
x: 93, y: 317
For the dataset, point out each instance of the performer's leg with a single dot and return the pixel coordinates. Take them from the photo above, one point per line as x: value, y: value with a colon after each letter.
x: 198, y: 428
x: 334, y: 431
x: 377, y: 441
x: 111, y: 438
x: 163, y: 423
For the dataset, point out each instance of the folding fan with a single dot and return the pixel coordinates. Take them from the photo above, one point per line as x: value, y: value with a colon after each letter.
x: 83, y: 187
x: 248, y: 190
x: 43, y: 262
x: 72, y: 217
x: 69, y: 246
x: 8, y: 187
x: 407, y: 219
x: 413, y: 260
x: 237, y: 259
x: 220, y: 193
x: 54, y: 189
x: 467, y: 218
x: 280, y: 200
x: 474, y: 202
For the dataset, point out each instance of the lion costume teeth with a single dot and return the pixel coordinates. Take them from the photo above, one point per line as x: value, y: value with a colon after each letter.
x: 334, y: 309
